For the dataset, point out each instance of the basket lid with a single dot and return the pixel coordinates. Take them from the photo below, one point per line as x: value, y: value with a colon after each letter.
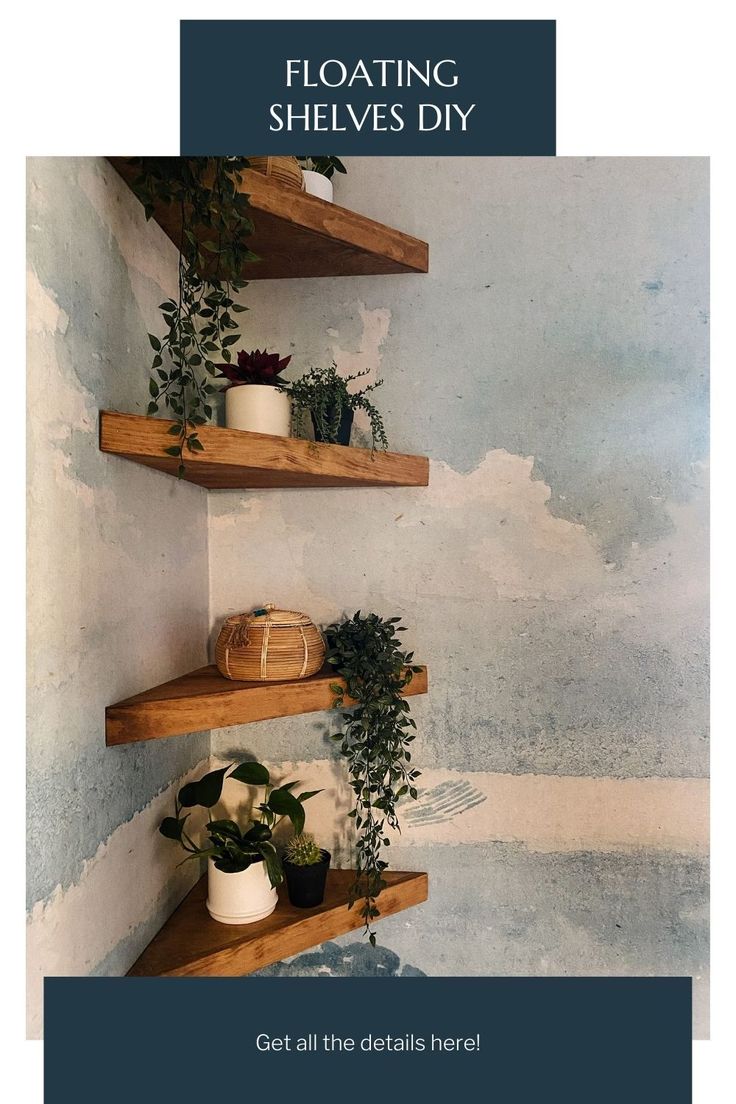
x: 270, y: 614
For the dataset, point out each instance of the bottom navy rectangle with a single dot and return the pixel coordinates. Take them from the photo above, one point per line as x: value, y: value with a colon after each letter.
x: 572, y: 1040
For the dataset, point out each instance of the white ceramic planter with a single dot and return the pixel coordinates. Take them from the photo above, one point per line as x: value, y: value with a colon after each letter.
x: 317, y: 185
x: 259, y: 409
x: 240, y: 898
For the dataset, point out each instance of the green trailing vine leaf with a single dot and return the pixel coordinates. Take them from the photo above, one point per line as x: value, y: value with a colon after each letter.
x: 198, y: 325
x: 375, y: 738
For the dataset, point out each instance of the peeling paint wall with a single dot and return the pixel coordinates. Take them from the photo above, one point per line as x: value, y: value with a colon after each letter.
x: 553, y: 575
x: 117, y: 580
x: 552, y: 365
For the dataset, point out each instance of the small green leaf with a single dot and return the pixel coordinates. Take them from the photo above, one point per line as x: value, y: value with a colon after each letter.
x: 205, y: 792
x: 172, y: 828
x: 285, y: 804
x: 155, y: 343
x: 173, y: 450
x: 252, y: 774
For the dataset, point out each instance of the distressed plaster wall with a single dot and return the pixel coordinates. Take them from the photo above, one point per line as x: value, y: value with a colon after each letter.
x: 117, y: 582
x: 553, y: 575
x: 552, y: 365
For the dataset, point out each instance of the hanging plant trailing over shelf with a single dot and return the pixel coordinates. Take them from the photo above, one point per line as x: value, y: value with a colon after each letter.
x: 366, y: 652
x: 199, y: 326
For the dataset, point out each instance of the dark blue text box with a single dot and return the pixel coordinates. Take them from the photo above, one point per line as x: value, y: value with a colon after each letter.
x: 234, y: 71
x: 572, y: 1040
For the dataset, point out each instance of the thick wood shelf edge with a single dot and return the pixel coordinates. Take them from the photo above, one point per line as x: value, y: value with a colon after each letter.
x: 298, y: 235
x: 236, y: 460
x: 192, y: 944
x: 203, y: 700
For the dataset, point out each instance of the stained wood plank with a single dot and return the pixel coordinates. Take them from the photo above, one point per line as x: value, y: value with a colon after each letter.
x: 192, y: 944
x: 203, y: 699
x: 298, y: 235
x: 236, y: 460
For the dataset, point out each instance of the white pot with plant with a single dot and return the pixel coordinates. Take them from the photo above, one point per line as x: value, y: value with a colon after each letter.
x: 243, y: 865
x: 255, y: 395
x: 317, y: 173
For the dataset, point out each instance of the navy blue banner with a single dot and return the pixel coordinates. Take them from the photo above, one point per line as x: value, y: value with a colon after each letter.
x: 526, y: 1040
x: 405, y: 87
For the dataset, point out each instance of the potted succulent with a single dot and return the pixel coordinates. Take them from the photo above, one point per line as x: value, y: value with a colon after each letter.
x: 317, y: 173
x: 305, y: 866
x: 324, y: 395
x: 243, y: 867
x: 255, y: 395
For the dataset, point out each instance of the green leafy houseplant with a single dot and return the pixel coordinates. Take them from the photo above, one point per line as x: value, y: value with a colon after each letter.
x: 231, y: 847
x: 199, y: 326
x: 325, y: 166
x: 375, y: 738
x: 324, y: 394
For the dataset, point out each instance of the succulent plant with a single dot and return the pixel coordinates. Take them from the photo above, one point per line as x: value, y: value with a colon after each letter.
x: 256, y: 367
x: 303, y: 850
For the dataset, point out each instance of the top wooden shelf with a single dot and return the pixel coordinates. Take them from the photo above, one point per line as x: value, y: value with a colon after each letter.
x: 299, y: 235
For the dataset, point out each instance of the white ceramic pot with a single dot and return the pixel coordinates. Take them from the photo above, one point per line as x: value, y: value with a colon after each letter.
x: 317, y: 185
x: 240, y: 898
x: 259, y: 409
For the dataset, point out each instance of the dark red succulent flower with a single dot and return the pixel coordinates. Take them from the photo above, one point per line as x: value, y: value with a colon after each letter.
x: 255, y: 367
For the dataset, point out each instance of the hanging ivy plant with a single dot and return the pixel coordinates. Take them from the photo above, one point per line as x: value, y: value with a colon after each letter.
x: 198, y: 325
x: 375, y: 739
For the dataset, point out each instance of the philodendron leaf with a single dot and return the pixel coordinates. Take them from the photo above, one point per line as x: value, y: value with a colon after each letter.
x: 307, y: 794
x: 205, y: 792
x: 273, y: 865
x: 172, y: 828
x: 252, y: 774
x: 285, y: 804
x: 224, y: 828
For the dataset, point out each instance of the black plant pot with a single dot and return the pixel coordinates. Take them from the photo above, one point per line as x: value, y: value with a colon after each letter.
x: 343, y: 430
x: 306, y: 884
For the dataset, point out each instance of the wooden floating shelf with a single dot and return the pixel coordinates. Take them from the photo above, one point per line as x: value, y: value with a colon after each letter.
x: 204, y: 700
x: 236, y: 460
x: 192, y: 944
x: 299, y: 235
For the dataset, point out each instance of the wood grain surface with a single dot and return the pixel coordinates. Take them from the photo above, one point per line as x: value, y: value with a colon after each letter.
x: 192, y: 944
x: 299, y: 235
x: 204, y: 699
x: 236, y: 460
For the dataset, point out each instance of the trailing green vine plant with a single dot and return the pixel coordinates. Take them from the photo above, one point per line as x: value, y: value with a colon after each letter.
x: 199, y: 326
x: 323, y: 393
x: 376, y: 733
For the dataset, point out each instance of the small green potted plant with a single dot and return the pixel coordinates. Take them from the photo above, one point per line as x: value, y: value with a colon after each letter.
x: 305, y: 867
x: 317, y: 173
x: 255, y: 394
x: 323, y: 394
x: 243, y: 867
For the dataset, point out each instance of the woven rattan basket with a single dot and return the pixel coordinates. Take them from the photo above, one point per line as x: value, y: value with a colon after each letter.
x: 285, y: 170
x: 269, y: 645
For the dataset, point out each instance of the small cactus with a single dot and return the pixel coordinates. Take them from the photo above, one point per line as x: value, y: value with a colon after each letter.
x: 303, y: 851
